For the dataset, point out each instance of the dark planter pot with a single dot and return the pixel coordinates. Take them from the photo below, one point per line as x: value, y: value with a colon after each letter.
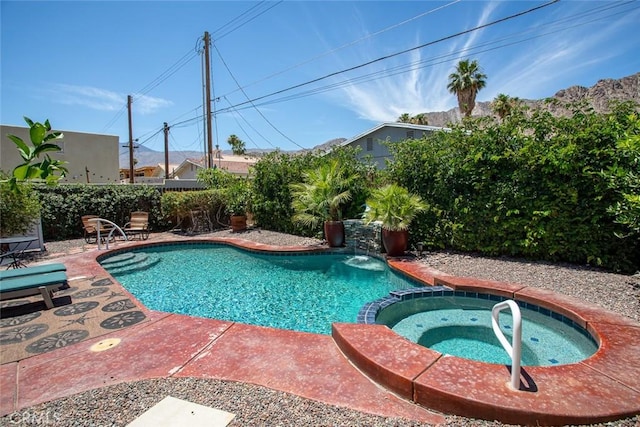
x: 395, y: 242
x: 238, y: 223
x: 334, y: 233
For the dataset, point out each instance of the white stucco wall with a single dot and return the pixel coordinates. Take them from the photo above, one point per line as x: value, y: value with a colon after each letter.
x: 95, y: 152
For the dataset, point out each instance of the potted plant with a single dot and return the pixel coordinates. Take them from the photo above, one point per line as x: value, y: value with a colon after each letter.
x: 237, y: 202
x: 395, y: 208
x: 320, y: 198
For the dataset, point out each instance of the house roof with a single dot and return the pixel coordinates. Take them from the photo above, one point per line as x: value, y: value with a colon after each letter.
x: 238, y: 165
x: 394, y: 125
x: 158, y: 169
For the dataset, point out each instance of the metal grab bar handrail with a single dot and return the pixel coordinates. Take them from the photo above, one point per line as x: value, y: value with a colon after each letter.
x: 515, y: 351
x: 99, y: 222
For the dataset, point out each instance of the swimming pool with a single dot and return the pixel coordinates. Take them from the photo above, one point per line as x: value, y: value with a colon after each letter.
x: 298, y: 292
x: 461, y: 326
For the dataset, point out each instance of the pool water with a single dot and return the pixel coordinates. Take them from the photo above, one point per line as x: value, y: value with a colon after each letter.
x: 302, y: 292
x: 461, y: 326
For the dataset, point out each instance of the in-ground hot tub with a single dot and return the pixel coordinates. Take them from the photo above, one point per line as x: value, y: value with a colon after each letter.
x: 460, y: 324
x: 466, y: 387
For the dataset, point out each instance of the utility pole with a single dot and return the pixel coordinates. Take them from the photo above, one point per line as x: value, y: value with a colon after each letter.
x: 166, y: 150
x: 131, y: 178
x: 208, y: 100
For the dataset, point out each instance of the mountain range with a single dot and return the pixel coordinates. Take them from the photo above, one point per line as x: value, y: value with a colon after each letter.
x: 598, y: 96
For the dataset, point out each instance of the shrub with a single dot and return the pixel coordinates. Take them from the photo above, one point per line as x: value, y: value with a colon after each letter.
x: 528, y: 185
x: 275, y: 172
x: 19, y: 208
x: 64, y: 204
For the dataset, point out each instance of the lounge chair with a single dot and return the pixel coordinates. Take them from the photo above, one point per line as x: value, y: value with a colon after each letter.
x: 90, y: 230
x: 138, y: 225
x: 30, y: 271
x: 44, y: 284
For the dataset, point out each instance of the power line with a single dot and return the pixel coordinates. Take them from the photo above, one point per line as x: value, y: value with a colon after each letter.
x: 442, y: 58
x: 180, y: 63
x: 401, y: 52
x: 388, y: 72
x: 115, y: 118
x: 249, y: 124
x: 245, y: 22
x: 351, y: 43
x: 252, y: 104
x: 188, y: 57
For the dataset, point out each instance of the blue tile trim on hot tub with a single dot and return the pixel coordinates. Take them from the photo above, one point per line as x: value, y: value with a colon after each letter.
x: 369, y: 311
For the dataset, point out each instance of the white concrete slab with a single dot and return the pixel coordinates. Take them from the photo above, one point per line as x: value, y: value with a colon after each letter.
x: 171, y: 411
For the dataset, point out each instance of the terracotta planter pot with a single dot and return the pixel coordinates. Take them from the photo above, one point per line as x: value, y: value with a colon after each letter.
x: 238, y: 223
x: 395, y: 242
x: 334, y: 233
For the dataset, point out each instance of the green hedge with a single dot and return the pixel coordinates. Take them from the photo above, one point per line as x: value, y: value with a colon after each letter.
x: 63, y: 205
x: 274, y: 173
x: 531, y: 185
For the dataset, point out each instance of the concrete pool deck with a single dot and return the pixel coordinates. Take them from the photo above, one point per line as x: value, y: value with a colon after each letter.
x: 330, y: 369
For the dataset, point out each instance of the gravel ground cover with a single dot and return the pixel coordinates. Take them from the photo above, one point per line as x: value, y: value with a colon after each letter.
x: 258, y: 406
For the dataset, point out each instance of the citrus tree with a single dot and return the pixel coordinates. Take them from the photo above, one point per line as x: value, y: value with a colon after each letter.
x: 32, y: 167
x: 19, y: 205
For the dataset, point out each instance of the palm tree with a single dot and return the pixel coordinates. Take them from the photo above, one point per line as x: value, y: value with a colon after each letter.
x: 320, y: 199
x: 503, y: 105
x: 404, y: 118
x: 322, y: 194
x: 420, y: 119
x: 465, y: 82
x: 237, y: 145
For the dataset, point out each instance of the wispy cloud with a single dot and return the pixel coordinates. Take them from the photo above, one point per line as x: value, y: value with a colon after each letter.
x: 422, y: 88
x: 105, y: 100
x: 414, y: 91
x: 564, y: 50
x: 554, y: 50
x: 148, y: 104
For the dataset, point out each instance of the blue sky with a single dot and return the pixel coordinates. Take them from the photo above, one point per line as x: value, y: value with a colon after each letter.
x: 74, y: 63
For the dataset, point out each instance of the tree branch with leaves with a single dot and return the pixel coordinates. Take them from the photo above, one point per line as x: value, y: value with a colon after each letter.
x: 42, y: 140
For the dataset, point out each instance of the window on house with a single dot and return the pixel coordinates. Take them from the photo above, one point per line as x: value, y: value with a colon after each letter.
x: 369, y: 144
x: 409, y: 134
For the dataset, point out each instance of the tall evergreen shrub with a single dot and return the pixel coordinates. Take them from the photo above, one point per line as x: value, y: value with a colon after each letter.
x: 529, y: 185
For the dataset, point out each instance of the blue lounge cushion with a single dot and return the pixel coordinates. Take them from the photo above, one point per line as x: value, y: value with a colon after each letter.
x: 29, y: 271
x: 33, y: 281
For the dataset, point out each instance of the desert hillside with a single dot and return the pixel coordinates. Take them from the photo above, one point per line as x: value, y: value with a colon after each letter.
x: 598, y: 96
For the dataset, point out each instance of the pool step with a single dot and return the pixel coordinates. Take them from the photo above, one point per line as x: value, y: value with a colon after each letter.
x: 130, y: 264
x: 132, y: 259
x: 118, y: 258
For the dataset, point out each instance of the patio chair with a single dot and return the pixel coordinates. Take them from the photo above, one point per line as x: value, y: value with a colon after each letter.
x: 138, y: 225
x: 90, y: 230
